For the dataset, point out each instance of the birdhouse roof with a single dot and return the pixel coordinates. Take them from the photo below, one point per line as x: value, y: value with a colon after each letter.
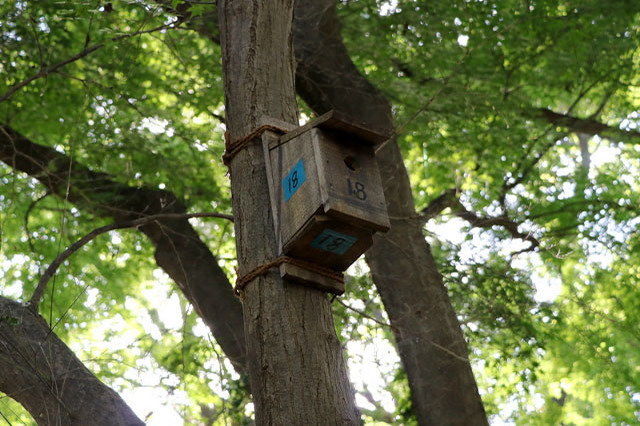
x: 338, y: 122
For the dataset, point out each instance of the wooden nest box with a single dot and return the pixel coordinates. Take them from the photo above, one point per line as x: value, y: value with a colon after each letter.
x: 326, y: 191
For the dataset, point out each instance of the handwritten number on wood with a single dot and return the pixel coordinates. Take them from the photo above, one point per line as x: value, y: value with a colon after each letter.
x: 292, y: 181
x: 356, y: 189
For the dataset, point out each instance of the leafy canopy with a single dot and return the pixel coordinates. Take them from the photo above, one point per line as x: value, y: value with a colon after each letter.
x: 525, y: 111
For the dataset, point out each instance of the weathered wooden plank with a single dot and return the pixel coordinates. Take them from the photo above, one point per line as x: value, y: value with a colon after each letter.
x: 333, y: 120
x: 271, y: 121
x: 328, y: 242
x: 311, y: 279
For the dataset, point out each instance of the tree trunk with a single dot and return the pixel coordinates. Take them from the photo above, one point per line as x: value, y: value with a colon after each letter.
x: 43, y: 374
x: 430, y: 342
x: 296, y: 367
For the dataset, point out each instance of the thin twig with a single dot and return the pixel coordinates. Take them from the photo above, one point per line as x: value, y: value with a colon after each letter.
x: 26, y: 220
x: 53, y: 267
x: 36, y: 38
x: 351, y: 308
x: 86, y: 51
x: 87, y: 38
x: 62, y: 230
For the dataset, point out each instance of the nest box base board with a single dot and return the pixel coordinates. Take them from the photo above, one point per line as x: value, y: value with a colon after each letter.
x: 329, y: 242
x: 311, y: 279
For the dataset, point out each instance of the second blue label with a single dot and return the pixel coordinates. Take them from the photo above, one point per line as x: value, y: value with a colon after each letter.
x: 333, y: 241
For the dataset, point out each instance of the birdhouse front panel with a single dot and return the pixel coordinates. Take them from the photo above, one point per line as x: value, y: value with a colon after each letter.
x: 350, y: 181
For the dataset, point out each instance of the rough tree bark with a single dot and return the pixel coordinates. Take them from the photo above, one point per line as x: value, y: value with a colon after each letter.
x: 296, y: 366
x: 179, y: 250
x: 428, y: 336
x: 43, y: 374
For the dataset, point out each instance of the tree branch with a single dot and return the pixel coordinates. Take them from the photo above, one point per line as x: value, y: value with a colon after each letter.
x: 179, y: 250
x: 588, y: 126
x: 53, y: 267
x: 488, y: 222
x: 522, y: 175
x: 205, y: 24
x: 45, y: 376
x: 436, y: 206
x: 449, y: 199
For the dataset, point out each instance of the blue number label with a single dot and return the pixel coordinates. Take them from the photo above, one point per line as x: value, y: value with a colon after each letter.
x: 333, y: 242
x: 293, y: 180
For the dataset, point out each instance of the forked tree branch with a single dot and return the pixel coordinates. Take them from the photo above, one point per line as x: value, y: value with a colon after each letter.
x: 504, y: 221
x: 448, y: 199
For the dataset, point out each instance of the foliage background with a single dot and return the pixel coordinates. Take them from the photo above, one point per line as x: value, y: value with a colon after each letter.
x: 474, y: 86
